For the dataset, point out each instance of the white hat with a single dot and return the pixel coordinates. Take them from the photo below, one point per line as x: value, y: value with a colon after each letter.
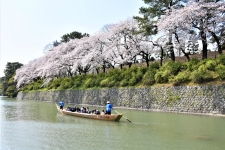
x: 108, y: 102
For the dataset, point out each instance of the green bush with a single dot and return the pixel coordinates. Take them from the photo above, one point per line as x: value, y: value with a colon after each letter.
x: 196, y: 77
x: 192, y: 64
x: 142, y: 70
x: 149, y: 77
x: 54, y: 84
x: 154, y: 65
x: 211, y: 64
x: 40, y: 82
x: 169, y: 69
x: 11, y: 91
x: 60, y: 88
x: 174, y: 67
x: 77, y: 83
x: 181, y: 77
x: 162, y: 76
x: 32, y: 86
x: 220, y: 70
x: 133, y: 81
x: 113, y: 72
x: 124, y: 83
x: 107, y: 83
x: 28, y: 88
x: 199, y: 76
x: 137, y: 76
x: 115, y: 75
x: 89, y: 83
x: 98, y: 81
x: 202, y: 68
x: 208, y: 76
x: 65, y: 85
x: 133, y: 69
x: 126, y: 74
x: 221, y: 59
x: 171, y: 72
x: 36, y: 86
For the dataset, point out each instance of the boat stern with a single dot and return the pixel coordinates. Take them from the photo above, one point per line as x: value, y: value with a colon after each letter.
x: 118, y: 117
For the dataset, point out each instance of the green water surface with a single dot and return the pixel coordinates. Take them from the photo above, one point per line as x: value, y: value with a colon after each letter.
x: 35, y: 125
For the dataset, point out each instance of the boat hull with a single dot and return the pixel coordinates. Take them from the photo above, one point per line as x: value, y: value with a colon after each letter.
x: 112, y: 117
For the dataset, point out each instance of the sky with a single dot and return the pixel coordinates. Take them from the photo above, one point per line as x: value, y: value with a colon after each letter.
x: 27, y: 26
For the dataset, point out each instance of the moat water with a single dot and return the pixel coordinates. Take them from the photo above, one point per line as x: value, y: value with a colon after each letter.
x: 37, y: 125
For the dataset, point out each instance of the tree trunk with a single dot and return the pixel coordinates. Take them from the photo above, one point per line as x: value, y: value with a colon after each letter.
x: 183, y: 51
x: 217, y: 42
x: 147, y: 60
x: 129, y: 64
x: 103, y: 68
x: 204, y: 45
x: 121, y: 66
x: 172, y: 55
x: 145, y: 56
x: 97, y: 70
x: 69, y: 72
x: 161, y: 56
x: 204, y: 40
x: 187, y: 56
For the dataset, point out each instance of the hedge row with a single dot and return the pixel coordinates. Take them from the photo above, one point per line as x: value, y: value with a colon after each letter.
x: 175, y: 73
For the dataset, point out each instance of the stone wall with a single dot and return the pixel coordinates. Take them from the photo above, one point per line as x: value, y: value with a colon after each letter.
x: 187, y: 99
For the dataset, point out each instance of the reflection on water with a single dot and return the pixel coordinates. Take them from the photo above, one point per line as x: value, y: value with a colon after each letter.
x: 38, y: 125
x: 29, y: 110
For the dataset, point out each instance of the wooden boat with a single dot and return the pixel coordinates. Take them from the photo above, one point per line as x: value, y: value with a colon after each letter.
x: 112, y: 117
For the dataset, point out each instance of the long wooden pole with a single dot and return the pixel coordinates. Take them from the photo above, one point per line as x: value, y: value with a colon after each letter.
x: 122, y: 116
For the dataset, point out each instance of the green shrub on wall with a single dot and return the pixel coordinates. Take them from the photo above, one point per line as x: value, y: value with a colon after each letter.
x: 211, y: 64
x: 66, y: 83
x: 133, y: 81
x: 173, y: 67
x: 197, y: 77
x: 220, y: 70
x: 162, y: 76
x: 182, y: 77
x: 176, y: 73
x: 192, y: 64
x: 154, y: 65
x: 107, y: 83
x: 221, y: 59
x: 149, y: 77
x: 124, y: 83
x: 54, y: 84
x: 89, y: 83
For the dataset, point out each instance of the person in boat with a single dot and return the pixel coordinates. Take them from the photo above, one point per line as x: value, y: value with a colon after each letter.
x: 109, y: 107
x: 73, y: 109
x: 88, y: 111
x: 84, y: 110
x: 78, y: 109
x: 93, y: 111
x: 69, y: 109
x: 103, y: 112
x: 61, y: 104
x: 97, y: 112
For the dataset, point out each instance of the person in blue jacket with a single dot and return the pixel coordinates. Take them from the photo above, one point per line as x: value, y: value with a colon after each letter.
x: 61, y: 104
x: 109, y: 107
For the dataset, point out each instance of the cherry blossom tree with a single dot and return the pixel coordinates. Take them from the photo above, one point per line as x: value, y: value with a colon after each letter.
x: 28, y: 73
x: 216, y: 23
x: 123, y: 41
x: 197, y: 16
x: 116, y: 46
